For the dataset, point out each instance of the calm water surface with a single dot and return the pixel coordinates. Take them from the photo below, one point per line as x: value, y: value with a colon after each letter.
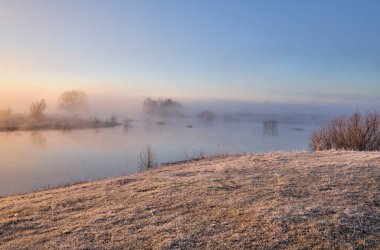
x: 36, y: 160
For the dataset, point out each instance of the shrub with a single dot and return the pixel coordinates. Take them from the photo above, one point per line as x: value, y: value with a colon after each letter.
x: 356, y: 132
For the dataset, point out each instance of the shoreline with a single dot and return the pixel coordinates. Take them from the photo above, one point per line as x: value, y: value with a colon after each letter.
x: 162, y: 165
x: 273, y: 200
x: 24, y: 123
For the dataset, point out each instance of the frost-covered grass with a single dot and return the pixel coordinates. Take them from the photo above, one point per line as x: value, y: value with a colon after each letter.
x: 262, y: 201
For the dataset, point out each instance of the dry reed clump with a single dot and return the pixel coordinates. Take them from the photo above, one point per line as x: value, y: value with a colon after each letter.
x: 357, y: 132
x: 148, y: 159
x: 202, y: 154
x: 199, y: 154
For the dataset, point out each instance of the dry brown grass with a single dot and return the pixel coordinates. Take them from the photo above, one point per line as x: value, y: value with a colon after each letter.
x: 303, y: 200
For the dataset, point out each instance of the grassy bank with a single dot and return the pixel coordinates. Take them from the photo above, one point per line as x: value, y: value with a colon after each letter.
x: 280, y: 200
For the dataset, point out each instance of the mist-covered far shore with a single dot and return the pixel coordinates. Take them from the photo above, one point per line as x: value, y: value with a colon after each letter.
x: 104, y: 105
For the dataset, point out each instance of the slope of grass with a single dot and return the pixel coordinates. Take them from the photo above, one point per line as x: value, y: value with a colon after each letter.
x: 280, y: 200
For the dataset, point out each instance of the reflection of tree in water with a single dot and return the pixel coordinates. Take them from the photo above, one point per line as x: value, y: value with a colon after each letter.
x: 38, y: 139
x: 127, y: 125
x: 270, y: 127
x: 206, y: 116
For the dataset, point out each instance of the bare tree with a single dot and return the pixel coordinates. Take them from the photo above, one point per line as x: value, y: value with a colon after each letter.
x: 6, y: 116
x: 37, y: 108
x: 73, y: 101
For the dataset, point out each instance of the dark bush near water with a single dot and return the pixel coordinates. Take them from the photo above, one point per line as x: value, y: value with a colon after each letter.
x: 356, y: 132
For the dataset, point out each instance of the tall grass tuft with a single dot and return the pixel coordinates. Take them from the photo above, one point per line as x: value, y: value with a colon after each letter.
x: 148, y: 159
x: 357, y: 132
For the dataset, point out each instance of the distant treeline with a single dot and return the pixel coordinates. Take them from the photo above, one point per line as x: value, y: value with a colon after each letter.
x: 166, y: 107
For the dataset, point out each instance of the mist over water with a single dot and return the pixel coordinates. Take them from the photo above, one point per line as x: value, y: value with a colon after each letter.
x: 175, y: 128
x: 34, y: 160
x: 104, y: 102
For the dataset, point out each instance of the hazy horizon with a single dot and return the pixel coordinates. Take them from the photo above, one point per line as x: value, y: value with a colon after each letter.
x: 105, y: 104
x: 291, y: 53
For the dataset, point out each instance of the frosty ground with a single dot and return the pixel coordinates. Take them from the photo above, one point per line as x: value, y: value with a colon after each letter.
x: 281, y: 200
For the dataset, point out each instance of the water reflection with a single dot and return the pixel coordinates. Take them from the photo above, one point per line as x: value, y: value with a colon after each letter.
x: 38, y: 139
x: 53, y: 158
x: 270, y: 127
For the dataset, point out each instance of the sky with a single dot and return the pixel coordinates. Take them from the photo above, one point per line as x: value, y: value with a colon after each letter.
x: 293, y: 51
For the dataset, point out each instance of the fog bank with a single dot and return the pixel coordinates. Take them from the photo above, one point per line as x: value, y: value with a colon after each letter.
x: 126, y: 105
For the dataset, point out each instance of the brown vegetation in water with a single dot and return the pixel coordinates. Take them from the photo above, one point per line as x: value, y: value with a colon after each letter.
x: 320, y: 200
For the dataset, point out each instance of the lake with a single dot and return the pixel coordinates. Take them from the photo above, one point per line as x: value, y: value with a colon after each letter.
x: 35, y: 160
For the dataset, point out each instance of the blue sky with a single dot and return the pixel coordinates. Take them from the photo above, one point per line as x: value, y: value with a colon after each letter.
x: 279, y: 51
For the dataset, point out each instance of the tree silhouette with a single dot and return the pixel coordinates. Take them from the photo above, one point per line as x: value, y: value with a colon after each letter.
x: 73, y: 101
x: 37, y: 108
x: 161, y: 107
